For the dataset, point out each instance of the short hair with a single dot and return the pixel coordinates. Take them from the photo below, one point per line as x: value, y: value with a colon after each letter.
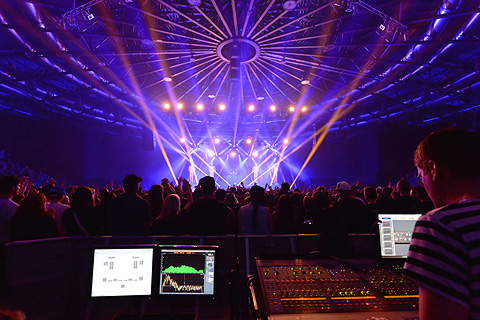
x: 7, y: 183
x: 404, y: 186
x: 455, y: 148
x: 207, y: 184
x: 130, y: 183
x: 285, y: 186
x: 220, y: 195
x: 370, y: 193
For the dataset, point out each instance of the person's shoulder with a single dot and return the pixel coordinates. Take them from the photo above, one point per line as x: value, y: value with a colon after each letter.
x: 57, y: 205
x: 465, y: 209
x: 8, y: 203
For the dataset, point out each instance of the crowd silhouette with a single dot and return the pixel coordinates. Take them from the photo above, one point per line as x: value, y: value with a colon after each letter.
x: 29, y: 211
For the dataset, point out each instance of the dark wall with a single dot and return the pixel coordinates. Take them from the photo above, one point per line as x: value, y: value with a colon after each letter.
x: 346, y: 159
x: 108, y: 157
x: 49, y: 146
x: 397, y: 143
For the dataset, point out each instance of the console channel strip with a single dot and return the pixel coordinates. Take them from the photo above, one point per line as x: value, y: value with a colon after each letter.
x: 328, y: 286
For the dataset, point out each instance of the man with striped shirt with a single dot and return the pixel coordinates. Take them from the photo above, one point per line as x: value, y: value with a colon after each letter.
x: 444, y: 256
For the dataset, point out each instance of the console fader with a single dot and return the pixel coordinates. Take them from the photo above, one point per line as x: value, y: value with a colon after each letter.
x: 328, y: 286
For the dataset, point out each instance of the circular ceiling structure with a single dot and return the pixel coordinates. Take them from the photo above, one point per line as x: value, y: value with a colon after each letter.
x: 349, y: 65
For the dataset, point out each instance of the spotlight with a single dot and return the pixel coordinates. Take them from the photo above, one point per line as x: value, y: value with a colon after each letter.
x: 261, y: 98
x: 389, y: 29
x: 233, y: 154
x: 289, y: 5
x: 255, y: 154
x: 221, y: 107
x: 167, y: 79
x: 248, y: 141
x: 90, y: 16
x: 166, y: 106
x: 285, y: 141
x: 291, y: 108
x: 211, y: 153
x: 182, y: 140
x: 194, y: 3
x: 179, y: 106
x: 273, y: 108
x: 304, y: 109
x: 211, y: 96
x: 251, y: 107
x: 217, y: 140
x: 199, y: 107
x: 305, y: 77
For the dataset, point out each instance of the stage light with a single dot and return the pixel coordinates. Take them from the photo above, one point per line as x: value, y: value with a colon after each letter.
x: 199, y: 107
x: 255, y: 154
x: 90, y: 16
x: 217, y: 140
x: 304, y: 109
x: 221, y: 107
x: 167, y: 79
x: 291, y: 108
x: 306, y: 77
x: 261, y: 98
x: 289, y: 5
x: 248, y: 141
x: 211, y: 153
x: 285, y: 141
x: 166, y: 106
x: 233, y: 154
x: 182, y: 140
x: 251, y: 107
x: 179, y: 106
x: 339, y: 3
x: 273, y: 108
x: 194, y: 3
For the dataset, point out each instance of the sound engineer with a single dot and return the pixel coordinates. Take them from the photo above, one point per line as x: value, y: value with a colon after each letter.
x: 444, y: 255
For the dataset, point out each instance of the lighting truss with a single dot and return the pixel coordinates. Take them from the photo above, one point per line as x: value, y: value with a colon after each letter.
x: 71, y: 17
x: 388, y: 20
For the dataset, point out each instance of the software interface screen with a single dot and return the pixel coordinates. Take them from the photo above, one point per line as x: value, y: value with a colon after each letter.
x: 187, y: 271
x: 122, y: 272
x: 396, y: 233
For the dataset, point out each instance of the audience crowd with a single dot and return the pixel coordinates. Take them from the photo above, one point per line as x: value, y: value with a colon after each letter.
x: 29, y: 212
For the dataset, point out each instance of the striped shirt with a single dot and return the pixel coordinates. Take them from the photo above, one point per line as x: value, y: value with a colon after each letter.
x: 444, y: 253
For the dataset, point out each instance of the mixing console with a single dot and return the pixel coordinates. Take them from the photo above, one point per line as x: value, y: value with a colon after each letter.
x: 328, y: 286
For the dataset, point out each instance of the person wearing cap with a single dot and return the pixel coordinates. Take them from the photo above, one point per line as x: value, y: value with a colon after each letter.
x: 351, y: 211
x: 128, y: 214
x: 207, y: 215
x: 55, y: 197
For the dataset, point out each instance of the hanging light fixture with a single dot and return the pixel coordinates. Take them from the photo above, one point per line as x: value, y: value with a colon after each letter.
x: 194, y: 3
x: 289, y: 5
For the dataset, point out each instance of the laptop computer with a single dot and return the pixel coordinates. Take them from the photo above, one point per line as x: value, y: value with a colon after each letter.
x: 395, y: 231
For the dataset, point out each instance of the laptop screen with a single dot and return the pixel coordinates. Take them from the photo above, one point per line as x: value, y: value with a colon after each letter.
x: 122, y: 272
x: 396, y: 233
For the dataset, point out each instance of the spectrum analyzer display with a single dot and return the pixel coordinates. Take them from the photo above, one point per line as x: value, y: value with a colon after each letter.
x: 187, y: 271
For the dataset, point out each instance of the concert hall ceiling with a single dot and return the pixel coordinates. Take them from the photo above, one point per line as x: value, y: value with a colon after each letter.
x: 238, y: 68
